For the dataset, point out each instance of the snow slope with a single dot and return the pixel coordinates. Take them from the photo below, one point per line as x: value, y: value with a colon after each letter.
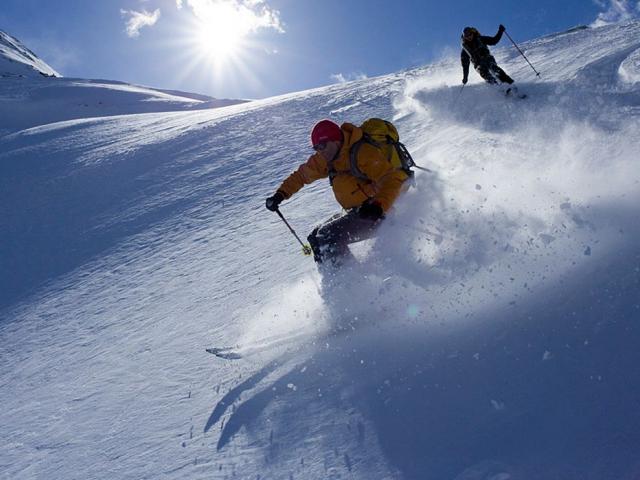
x: 33, y: 102
x: 489, y: 333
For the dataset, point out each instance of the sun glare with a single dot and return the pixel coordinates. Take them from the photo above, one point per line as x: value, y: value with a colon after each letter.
x: 221, y: 31
x: 219, y: 41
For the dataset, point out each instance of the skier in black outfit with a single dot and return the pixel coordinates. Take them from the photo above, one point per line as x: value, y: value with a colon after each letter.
x: 474, y: 49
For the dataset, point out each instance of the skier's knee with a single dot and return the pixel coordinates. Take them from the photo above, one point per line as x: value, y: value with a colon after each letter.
x: 313, y: 236
x: 315, y: 245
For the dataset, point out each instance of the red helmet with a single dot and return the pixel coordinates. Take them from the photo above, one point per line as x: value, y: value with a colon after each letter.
x: 325, y: 131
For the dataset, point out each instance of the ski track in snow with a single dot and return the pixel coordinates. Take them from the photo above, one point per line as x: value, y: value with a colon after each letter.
x: 490, y: 332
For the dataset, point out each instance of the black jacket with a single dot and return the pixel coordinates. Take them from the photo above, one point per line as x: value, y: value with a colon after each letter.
x: 476, y: 51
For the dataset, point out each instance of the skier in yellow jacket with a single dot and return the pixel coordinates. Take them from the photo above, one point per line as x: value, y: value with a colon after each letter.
x: 366, y: 185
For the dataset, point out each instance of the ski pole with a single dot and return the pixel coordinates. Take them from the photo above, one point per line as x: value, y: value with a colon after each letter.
x: 306, y: 249
x: 424, y: 169
x: 521, y: 53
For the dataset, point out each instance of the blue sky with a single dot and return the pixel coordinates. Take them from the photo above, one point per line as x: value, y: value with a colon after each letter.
x: 288, y: 45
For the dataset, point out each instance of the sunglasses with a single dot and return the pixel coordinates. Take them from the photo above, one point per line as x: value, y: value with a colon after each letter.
x: 320, y: 146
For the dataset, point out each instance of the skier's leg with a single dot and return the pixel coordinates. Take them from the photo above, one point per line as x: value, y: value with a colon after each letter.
x: 501, y: 74
x: 485, y: 72
x: 331, y: 240
x: 317, y: 244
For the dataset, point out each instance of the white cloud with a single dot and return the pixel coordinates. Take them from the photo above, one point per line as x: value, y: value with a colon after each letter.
x: 349, y: 77
x: 137, y: 20
x: 248, y: 15
x: 616, y: 11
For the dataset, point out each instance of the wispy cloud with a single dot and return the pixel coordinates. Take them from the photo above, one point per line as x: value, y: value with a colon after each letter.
x: 348, y: 77
x: 137, y: 20
x: 248, y: 15
x: 616, y: 11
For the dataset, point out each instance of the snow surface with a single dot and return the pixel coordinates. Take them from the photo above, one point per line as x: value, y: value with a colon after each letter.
x: 26, y: 104
x: 490, y: 332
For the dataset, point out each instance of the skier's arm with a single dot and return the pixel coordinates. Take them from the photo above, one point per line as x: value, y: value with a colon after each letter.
x: 493, y: 40
x: 388, y: 181
x: 464, y: 60
x: 389, y: 187
x: 313, y: 169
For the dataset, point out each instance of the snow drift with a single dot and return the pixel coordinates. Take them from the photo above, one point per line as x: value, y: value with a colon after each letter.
x: 490, y: 332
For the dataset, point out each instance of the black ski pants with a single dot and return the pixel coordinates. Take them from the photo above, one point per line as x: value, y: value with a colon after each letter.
x: 491, y: 72
x: 330, y: 241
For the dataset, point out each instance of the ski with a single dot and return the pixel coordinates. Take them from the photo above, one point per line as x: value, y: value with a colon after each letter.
x: 289, y: 342
x: 512, y: 92
x: 242, y: 351
x: 228, y: 353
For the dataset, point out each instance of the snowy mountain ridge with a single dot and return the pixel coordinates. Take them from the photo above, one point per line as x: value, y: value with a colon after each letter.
x: 489, y: 333
x: 34, y: 94
x: 18, y: 60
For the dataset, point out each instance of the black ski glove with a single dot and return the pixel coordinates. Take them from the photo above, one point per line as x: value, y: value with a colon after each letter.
x: 501, y: 28
x: 274, y: 201
x: 371, y: 210
x: 464, y: 80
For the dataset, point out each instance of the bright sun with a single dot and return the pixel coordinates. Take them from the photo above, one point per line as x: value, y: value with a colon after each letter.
x: 219, y: 38
x: 220, y: 33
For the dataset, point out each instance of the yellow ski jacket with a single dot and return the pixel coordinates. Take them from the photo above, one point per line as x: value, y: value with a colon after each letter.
x: 383, y: 182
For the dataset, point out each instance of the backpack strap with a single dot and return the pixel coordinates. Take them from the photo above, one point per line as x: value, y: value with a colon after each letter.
x: 353, y: 157
x: 405, y: 157
x: 406, y: 160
